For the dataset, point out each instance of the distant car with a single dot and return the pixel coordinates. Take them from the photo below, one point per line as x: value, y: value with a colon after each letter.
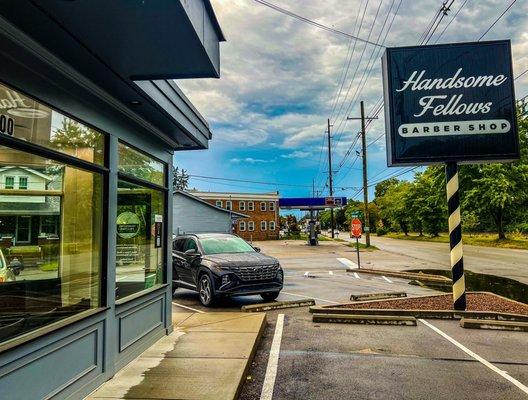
x: 217, y: 265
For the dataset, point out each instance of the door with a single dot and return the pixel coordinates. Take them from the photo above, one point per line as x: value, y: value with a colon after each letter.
x: 187, y: 267
x: 23, y: 230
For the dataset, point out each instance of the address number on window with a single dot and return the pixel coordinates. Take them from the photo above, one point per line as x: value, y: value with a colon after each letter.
x: 7, y: 125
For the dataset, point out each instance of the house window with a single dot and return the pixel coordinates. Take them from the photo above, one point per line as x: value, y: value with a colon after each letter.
x: 263, y: 225
x: 272, y: 225
x: 262, y: 206
x: 229, y: 205
x: 251, y: 226
x: 49, y: 225
x: 23, y: 182
x: 251, y: 206
x: 242, y: 226
x: 272, y: 206
x: 140, y: 226
x: 9, y: 182
x: 242, y: 205
x: 219, y: 203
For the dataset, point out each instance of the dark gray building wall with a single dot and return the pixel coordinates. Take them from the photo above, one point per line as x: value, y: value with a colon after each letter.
x: 193, y: 216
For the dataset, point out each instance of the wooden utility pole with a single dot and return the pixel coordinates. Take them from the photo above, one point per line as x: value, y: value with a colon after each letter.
x: 330, y: 177
x: 365, y: 180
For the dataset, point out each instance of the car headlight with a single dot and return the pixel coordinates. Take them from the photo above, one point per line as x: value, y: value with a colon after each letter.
x: 280, y: 275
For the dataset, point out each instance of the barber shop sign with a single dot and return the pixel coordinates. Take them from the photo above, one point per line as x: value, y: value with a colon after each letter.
x: 449, y: 103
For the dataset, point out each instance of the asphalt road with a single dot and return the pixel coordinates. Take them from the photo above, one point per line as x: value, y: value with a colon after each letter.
x: 334, y: 361
x: 509, y: 263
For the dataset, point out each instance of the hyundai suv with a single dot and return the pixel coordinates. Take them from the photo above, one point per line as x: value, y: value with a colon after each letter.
x: 217, y: 265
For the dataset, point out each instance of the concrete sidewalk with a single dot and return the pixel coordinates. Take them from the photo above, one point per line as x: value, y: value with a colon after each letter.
x: 206, y: 357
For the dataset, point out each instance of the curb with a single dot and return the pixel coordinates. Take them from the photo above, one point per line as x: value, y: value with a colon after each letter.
x: 365, y: 319
x: 470, y: 323
x: 278, y: 305
x: 377, y: 296
x: 427, y: 314
x: 402, y: 274
x: 249, y: 361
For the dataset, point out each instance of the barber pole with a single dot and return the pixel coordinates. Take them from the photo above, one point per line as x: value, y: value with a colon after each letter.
x: 455, y: 237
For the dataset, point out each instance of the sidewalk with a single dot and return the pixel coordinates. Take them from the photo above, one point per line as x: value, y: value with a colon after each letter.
x: 206, y: 357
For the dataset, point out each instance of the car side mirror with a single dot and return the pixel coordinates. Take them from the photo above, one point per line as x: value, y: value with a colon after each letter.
x: 192, y: 253
x: 257, y: 249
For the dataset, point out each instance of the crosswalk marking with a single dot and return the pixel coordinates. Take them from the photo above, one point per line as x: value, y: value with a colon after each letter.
x: 387, y: 279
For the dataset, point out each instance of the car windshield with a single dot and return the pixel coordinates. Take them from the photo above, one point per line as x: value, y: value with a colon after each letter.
x: 228, y: 244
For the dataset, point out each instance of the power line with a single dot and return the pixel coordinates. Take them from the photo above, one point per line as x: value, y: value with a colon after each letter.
x: 249, y: 181
x: 450, y: 21
x: 311, y: 22
x: 497, y: 20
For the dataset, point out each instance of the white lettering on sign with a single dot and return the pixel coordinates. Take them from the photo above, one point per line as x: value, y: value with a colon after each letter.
x: 445, y: 105
x: 13, y: 100
x: 455, y: 128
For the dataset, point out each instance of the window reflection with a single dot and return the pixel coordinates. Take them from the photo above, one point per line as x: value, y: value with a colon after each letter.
x: 50, y: 241
x: 139, y: 165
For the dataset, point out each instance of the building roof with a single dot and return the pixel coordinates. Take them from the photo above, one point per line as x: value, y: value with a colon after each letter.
x: 234, y: 215
x: 269, y: 196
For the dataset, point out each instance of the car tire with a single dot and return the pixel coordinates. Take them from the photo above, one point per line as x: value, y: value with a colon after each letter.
x: 269, y: 296
x: 206, y: 290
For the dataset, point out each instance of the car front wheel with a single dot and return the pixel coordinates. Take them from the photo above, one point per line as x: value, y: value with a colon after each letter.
x: 270, y: 296
x: 205, y: 291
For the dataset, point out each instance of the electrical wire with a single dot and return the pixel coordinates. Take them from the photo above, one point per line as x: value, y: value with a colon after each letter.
x: 496, y: 20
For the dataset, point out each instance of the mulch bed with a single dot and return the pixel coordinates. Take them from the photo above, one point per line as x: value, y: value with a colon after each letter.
x: 475, y: 302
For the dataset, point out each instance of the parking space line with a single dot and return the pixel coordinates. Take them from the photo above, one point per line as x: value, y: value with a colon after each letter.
x: 310, y: 297
x: 502, y: 373
x: 306, y: 274
x: 273, y: 361
x: 347, y: 263
x: 188, y: 308
x: 330, y: 272
x: 387, y: 279
x: 356, y: 275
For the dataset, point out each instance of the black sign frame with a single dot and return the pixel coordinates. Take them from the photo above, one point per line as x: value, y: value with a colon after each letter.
x: 446, y: 147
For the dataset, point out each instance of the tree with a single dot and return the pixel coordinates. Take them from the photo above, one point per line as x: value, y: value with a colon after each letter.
x: 393, y: 207
x: 180, y: 180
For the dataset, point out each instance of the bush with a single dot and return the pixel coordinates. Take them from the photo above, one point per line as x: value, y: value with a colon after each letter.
x: 382, y: 231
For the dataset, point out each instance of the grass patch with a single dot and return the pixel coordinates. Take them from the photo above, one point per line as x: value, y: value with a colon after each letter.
x: 362, y: 246
x: 513, y: 241
x: 49, y: 266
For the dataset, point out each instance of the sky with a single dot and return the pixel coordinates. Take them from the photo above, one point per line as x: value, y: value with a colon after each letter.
x: 281, y: 79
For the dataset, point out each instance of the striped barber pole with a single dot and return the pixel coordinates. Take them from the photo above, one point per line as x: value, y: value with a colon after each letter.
x: 455, y: 237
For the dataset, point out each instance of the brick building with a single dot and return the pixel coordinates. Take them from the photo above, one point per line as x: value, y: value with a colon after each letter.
x: 262, y: 209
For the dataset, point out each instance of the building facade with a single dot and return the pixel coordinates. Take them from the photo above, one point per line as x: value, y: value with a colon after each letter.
x: 194, y: 215
x: 262, y: 210
x: 90, y: 120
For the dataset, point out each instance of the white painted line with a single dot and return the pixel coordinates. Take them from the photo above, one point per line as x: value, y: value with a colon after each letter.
x: 347, y: 263
x: 387, y: 279
x: 306, y: 274
x: 356, y: 275
x: 502, y: 373
x: 273, y: 361
x: 310, y: 297
x: 188, y: 308
x: 330, y: 272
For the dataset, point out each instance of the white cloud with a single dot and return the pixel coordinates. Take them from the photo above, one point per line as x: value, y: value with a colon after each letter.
x: 249, y: 160
x: 297, y: 154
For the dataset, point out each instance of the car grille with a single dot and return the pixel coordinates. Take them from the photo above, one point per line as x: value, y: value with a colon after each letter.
x: 256, y: 273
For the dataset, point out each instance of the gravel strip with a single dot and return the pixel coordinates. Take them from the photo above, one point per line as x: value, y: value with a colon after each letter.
x: 475, y: 302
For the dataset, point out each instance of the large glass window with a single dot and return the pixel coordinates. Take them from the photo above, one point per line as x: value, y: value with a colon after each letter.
x: 24, y: 118
x: 50, y: 240
x: 134, y: 163
x: 140, y: 238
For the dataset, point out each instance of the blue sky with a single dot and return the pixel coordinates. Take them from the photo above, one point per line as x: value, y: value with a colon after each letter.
x: 280, y: 79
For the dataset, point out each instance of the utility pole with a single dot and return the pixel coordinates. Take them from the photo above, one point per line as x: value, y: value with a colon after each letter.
x: 365, y: 180
x: 330, y: 178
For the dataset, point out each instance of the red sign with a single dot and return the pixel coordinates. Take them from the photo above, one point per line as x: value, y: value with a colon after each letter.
x: 356, y: 228
x: 329, y: 201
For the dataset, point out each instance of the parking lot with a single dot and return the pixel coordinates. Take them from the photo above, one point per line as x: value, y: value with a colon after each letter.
x: 436, y: 359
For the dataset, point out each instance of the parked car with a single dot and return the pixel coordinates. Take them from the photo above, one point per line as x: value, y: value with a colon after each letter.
x: 9, y: 271
x: 217, y: 265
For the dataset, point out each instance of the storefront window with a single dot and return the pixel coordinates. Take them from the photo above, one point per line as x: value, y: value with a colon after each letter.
x: 50, y: 241
x: 140, y: 245
x: 24, y: 118
x: 141, y: 166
